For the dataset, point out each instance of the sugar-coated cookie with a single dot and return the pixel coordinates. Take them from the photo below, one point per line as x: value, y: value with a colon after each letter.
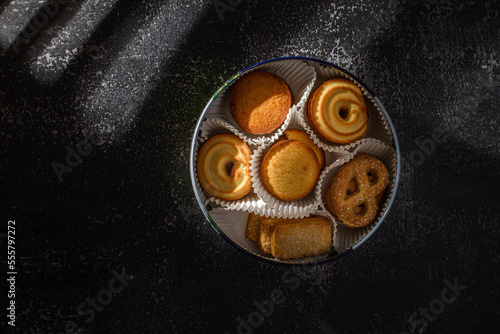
x: 356, y: 190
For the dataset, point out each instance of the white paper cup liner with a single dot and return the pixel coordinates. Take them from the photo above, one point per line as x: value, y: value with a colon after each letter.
x: 213, y: 123
x: 347, y: 237
x: 378, y: 127
x: 233, y: 225
x: 298, y: 74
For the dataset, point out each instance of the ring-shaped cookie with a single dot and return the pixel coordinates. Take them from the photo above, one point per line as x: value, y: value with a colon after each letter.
x: 337, y: 111
x: 223, y: 167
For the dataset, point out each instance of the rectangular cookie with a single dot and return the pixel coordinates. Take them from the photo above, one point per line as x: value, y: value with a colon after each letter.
x: 253, y: 225
x: 265, y: 232
x: 308, y: 237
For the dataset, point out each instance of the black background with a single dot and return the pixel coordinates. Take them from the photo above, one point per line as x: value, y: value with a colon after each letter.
x: 135, y: 76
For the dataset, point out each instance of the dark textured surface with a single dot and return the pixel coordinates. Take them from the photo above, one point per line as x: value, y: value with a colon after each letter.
x: 135, y: 75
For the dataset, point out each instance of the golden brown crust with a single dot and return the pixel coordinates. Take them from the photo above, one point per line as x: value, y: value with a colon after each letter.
x: 296, y: 134
x: 301, y: 238
x: 337, y: 111
x: 253, y: 226
x: 260, y: 102
x: 356, y: 190
x: 289, y: 170
x: 265, y: 232
x: 223, y: 167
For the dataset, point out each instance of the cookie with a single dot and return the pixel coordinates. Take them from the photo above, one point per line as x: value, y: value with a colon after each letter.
x: 266, y: 228
x: 253, y: 225
x: 337, y: 111
x: 289, y: 170
x: 296, y: 134
x: 356, y: 190
x: 223, y: 167
x: 260, y: 101
x: 301, y: 238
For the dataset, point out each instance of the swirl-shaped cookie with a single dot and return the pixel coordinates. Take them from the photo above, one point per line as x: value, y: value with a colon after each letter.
x: 223, y: 167
x: 337, y: 111
x: 356, y: 190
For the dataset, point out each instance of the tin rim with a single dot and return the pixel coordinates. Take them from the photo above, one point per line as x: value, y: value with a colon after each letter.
x: 212, y: 222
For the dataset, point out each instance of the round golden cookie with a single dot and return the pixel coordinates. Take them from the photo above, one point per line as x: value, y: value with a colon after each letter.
x: 289, y: 170
x: 296, y: 134
x: 356, y: 190
x: 223, y: 167
x: 337, y: 111
x: 260, y: 101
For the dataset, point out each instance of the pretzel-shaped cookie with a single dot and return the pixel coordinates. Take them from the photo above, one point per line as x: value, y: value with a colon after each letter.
x: 356, y: 190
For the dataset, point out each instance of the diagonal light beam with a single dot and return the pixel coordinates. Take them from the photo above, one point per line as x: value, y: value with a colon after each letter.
x: 16, y: 18
x: 112, y: 106
x: 64, y: 47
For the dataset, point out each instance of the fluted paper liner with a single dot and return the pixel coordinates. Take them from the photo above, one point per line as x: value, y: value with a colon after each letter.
x: 298, y: 74
x: 233, y: 225
x: 347, y: 237
x: 378, y: 126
